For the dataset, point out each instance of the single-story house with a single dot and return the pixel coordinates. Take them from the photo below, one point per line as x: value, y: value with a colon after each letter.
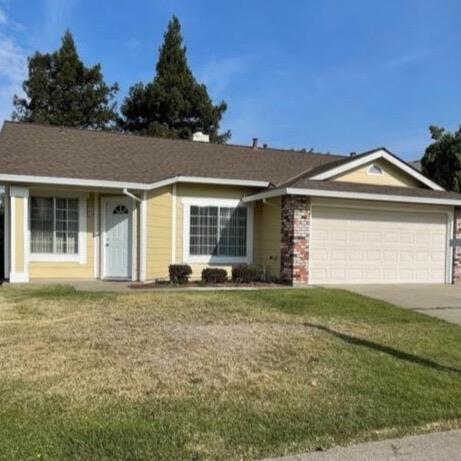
x: 82, y: 204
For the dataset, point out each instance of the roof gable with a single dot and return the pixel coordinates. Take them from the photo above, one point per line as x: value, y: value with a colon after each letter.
x: 326, y: 172
x: 380, y: 172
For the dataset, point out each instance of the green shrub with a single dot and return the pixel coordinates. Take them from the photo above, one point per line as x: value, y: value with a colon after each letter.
x: 214, y: 275
x: 179, y: 273
x: 245, y: 274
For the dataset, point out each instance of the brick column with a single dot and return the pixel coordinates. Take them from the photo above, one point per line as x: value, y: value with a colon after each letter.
x: 296, y: 213
x: 457, y: 249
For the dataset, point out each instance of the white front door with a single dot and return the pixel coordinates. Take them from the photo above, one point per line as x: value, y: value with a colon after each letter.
x: 117, y: 238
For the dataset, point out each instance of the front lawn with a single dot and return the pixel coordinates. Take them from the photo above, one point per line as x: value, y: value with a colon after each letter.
x: 218, y: 376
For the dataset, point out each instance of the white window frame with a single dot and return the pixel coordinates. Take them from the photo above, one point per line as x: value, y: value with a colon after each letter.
x: 210, y: 259
x: 79, y: 257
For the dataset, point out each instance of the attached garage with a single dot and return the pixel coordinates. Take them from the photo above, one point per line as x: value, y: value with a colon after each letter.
x: 377, y: 243
x: 369, y: 219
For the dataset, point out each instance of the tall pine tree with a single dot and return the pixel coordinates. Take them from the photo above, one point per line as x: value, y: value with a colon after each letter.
x: 174, y: 105
x: 61, y: 90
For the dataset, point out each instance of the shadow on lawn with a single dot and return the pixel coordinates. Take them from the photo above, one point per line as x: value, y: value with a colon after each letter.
x: 386, y: 349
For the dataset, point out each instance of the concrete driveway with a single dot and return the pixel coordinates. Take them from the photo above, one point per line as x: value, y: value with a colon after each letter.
x: 442, y: 301
x: 440, y: 446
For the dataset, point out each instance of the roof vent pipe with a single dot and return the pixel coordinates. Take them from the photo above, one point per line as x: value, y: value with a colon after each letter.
x: 255, y: 143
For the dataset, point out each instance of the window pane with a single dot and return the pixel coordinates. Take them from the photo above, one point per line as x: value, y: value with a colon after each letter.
x: 203, y: 230
x: 66, y: 226
x: 232, y: 232
x: 54, y: 225
x: 41, y: 225
x: 216, y: 231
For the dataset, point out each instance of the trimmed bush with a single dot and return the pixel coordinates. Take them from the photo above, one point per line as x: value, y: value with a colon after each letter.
x: 214, y: 275
x: 245, y: 274
x: 179, y: 273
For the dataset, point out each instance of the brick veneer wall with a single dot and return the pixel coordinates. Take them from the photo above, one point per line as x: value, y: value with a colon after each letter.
x: 457, y: 249
x: 296, y: 216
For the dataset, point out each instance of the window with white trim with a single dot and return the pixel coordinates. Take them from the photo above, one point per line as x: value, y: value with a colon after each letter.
x: 54, y: 225
x: 218, y: 231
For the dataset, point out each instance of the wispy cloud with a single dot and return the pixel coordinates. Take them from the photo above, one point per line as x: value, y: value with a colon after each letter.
x: 13, y: 65
x: 13, y: 55
x: 56, y: 15
x: 361, y: 71
x: 3, y: 18
x: 402, y: 61
x: 218, y: 73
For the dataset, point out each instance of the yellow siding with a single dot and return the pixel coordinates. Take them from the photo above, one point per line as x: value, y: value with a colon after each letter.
x: 69, y: 270
x: 268, y: 222
x: 392, y: 176
x: 202, y: 191
x: 19, y: 235
x: 267, y: 225
x: 159, y: 233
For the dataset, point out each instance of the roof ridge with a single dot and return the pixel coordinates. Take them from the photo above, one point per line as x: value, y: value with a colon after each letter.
x: 128, y: 135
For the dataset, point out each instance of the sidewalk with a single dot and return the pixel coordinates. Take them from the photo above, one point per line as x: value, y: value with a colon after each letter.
x: 439, y: 446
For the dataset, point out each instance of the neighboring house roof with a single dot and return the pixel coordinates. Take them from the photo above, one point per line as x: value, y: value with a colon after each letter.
x: 40, y: 150
x: 417, y: 165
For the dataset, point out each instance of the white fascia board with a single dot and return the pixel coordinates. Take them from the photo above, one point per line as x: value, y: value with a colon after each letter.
x: 377, y: 197
x: 353, y: 195
x: 265, y: 195
x: 13, y: 178
x: 222, y: 181
x: 376, y: 156
x: 205, y: 180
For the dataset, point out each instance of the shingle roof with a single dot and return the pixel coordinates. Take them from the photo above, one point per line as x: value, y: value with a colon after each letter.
x: 340, y: 186
x: 40, y: 150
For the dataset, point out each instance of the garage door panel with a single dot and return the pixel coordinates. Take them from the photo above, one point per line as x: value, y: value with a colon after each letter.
x: 338, y: 236
x: 351, y: 245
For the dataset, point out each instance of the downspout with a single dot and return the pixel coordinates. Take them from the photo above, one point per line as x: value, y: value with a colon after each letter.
x: 139, y: 234
x: 129, y: 194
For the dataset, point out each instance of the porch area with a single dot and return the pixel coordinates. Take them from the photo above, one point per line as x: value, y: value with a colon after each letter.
x: 61, y: 234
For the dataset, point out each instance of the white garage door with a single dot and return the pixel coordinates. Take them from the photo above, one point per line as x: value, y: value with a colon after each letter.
x: 350, y: 245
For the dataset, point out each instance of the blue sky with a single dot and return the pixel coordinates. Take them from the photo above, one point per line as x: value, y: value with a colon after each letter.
x: 335, y: 75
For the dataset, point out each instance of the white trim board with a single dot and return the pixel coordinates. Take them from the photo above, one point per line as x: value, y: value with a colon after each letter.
x: 100, y: 183
x: 143, y: 238
x: 376, y: 155
x: 14, y: 276
x: 352, y: 195
x: 6, y: 233
x: 96, y: 236
x: 173, y: 223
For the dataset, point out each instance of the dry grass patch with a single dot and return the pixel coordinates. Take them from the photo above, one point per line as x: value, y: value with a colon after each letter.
x: 138, y: 345
x: 216, y: 375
